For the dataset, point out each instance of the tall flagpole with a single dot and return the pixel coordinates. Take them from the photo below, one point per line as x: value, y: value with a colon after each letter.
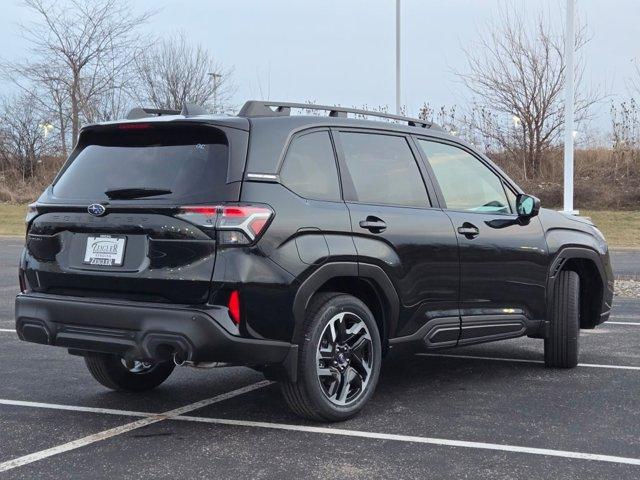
x: 398, y: 57
x: 569, y: 50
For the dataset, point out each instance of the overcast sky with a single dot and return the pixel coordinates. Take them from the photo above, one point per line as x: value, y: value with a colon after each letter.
x: 343, y: 51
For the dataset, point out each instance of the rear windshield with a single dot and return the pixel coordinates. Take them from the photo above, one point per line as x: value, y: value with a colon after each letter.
x: 191, y: 162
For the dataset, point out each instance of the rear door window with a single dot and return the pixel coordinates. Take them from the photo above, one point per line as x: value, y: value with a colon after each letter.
x: 310, y: 167
x: 190, y: 162
x: 383, y: 169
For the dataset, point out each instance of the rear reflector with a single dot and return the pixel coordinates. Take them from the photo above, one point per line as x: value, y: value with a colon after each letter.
x: 234, y: 306
x: 235, y: 224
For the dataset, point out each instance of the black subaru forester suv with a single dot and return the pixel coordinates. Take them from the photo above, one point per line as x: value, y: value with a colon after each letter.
x: 306, y: 247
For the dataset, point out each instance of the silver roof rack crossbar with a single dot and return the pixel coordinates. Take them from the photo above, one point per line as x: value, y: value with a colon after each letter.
x: 258, y: 108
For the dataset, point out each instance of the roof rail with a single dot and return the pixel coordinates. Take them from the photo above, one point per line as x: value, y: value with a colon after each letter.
x: 258, y: 108
x: 140, y: 112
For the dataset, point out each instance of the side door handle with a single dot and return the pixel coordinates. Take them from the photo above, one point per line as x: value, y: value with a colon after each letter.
x: 373, y: 224
x: 469, y: 230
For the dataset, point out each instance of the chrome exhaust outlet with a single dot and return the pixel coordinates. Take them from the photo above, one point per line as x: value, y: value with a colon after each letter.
x: 179, y: 359
x: 182, y: 362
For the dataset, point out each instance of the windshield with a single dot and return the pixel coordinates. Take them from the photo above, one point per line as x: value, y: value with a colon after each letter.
x: 166, y: 164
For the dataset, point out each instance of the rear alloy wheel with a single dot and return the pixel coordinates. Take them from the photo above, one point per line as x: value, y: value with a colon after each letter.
x: 344, y: 358
x: 561, y: 345
x: 115, y: 373
x: 339, y: 361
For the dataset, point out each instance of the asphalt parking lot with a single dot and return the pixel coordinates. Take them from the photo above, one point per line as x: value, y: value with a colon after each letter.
x: 489, y: 411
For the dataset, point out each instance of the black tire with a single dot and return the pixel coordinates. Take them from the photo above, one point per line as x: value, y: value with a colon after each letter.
x: 308, y: 397
x: 111, y: 372
x: 562, y: 344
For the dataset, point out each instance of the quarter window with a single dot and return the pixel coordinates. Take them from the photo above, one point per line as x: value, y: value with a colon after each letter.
x: 383, y: 170
x: 310, y: 167
x: 466, y: 183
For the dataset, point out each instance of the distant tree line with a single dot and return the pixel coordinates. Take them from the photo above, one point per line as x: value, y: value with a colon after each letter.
x: 91, y: 61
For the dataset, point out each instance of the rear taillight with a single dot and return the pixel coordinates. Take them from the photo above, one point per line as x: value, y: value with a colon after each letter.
x: 234, y: 224
x: 32, y: 212
x: 22, y: 281
x: 234, y: 306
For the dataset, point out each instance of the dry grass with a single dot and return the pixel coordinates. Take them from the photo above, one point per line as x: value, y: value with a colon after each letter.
x: 12, y: 219
x: 604, y: 179
x: 620, y: 228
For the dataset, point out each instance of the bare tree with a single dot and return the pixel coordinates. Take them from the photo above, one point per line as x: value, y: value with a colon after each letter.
x: 24, y: 135
x: 516, y: 74
x: 625, y: 137
x: 79, y: 52
x: 175, y: 71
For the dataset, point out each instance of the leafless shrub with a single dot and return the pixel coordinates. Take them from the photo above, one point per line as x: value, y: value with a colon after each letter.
x: 516, y: 75
x: 80, y: 53
x: 625, y: 137
x: 175, y: 71
x: 24, y: 136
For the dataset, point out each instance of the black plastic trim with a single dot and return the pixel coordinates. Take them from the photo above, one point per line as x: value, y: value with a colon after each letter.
x: 558, y: 262
x: 440, y: 332
x: 142, y: 331
x: 328, y: 271
x: 488, y: 328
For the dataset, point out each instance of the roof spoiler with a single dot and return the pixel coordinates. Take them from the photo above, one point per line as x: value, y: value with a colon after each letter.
x: 257, y: 108
x: 188, y: 109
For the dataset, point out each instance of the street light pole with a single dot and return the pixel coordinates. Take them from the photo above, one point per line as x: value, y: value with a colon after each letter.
x: 398, y: 57
x: 216, y: 77
x: 569, y: 99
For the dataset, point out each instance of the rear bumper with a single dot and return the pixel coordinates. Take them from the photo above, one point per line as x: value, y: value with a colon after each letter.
x: 143, y: 331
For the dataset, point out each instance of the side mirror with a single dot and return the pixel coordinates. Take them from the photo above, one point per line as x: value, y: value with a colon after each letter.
x: 527, y: 206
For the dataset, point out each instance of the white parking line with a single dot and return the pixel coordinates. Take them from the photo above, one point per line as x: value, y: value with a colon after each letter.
x: 75, y: 408
x: 416, y: 439
x: 622, y: 323
x: 525, y: 360
x: 112, y: 432
x: 173, y: 416
x: 8, y: 330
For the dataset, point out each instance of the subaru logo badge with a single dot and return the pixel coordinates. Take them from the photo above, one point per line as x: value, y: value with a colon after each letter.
x: 96, y: 209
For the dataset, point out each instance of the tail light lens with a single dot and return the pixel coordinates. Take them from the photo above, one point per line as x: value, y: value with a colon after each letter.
x: 134, y: 126
x: 22, y: 281
x: 32, y: 212
x: 234, y: 224
x: 234, y: 306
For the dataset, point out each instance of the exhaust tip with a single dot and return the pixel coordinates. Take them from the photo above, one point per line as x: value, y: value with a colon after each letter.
x: 180, y: 359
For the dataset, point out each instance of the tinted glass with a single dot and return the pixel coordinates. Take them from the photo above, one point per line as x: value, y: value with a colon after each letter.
x: 190, y: 162
x: 310, y: 167
x: 383, y: 169
x: 466, y: 183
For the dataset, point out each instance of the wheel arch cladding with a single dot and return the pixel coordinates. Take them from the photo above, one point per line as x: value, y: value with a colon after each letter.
x: 587, y: 264
x: 368, y: 283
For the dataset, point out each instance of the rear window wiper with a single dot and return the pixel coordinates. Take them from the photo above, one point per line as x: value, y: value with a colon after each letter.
x: 139, y: 192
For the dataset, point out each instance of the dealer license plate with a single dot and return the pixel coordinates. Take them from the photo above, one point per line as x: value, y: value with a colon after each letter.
x: 105, y: 250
